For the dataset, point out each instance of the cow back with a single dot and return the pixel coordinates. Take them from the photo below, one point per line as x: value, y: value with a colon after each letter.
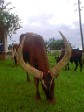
x: 34, y: 51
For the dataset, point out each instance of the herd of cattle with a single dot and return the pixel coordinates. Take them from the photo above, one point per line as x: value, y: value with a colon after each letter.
x: 31, y: 54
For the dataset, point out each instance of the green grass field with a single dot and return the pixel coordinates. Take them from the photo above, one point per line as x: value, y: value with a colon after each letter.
x: 17, y: 95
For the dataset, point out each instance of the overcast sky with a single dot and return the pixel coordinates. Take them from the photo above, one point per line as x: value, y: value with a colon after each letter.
x: 47, y: 17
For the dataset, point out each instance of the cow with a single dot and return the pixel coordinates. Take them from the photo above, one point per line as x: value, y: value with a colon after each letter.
x: 14, y: 52
x: 32, y: 57
x: 76, y: 57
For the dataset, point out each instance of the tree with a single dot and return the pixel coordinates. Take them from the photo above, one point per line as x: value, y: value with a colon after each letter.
x: 8, y: 21
x: 54, y: 44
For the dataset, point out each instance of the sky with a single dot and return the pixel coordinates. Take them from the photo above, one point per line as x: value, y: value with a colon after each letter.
x: 47, y: 17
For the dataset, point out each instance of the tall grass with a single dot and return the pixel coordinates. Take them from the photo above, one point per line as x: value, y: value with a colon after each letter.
x: 17, y: 95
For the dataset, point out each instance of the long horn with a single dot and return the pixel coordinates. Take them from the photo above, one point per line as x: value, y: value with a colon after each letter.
x: 56, y: 69
x: 27, y: 67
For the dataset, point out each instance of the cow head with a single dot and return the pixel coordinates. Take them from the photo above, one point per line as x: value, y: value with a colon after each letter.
x: 48, y: 86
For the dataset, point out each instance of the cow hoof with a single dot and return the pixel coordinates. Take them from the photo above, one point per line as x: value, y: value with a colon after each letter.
x: 38, y: 98
x: 53, y: 101
x: 28, y: 80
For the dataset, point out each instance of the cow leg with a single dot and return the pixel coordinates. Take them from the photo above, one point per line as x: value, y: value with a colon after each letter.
x: 68, y: 66
x: 76, y: 65
x: 28, y: 79
x: 36, y: 81
x: 15, y: 59
x: 80, y: 66
x: 27, y: 60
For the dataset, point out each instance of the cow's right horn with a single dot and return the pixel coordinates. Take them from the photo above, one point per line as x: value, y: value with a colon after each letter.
x: 27, y: 67
x: 56, y: 69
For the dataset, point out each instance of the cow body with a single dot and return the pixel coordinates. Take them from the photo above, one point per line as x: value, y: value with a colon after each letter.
x: 76, y: 57
x: 38, y: 57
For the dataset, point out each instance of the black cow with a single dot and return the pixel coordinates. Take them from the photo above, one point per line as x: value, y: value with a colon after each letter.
x: 76, y: 57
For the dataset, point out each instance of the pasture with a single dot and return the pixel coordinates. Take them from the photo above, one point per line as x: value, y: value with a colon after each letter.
x: 17, y: 95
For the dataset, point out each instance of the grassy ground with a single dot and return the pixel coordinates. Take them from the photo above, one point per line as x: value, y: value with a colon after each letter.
x: 17, y: 95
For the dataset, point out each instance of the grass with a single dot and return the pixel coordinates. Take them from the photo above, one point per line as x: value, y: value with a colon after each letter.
x: 17, y: 95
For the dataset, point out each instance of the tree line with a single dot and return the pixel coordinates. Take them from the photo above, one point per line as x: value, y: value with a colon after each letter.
x: 54, y: 44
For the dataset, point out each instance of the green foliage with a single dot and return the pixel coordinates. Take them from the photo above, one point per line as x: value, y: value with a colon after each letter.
x: 54, y: 44
x: 17, y: 95
x: 9, y: 22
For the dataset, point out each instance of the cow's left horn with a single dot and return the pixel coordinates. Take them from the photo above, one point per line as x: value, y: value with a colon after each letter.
x: 27, y: 67
x: 56, y: 69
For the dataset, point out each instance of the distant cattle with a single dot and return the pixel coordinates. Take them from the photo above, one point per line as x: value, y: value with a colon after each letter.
x: 76, y: 57
x: 14, y: 52
x: 32, y: 56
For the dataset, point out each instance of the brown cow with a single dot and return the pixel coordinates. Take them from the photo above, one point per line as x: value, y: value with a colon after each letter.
x: 32, y: 50
x: 14, y: 52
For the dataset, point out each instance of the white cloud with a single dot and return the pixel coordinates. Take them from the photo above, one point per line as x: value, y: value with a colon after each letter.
x: 46, y: 17
x: 62, y: 10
